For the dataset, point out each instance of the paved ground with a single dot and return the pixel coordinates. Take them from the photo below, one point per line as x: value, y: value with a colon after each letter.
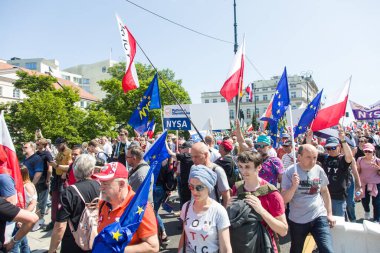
x: 39, y: 240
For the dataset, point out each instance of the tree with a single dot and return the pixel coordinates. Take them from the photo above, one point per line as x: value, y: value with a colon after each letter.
x: 54, y: 111
x: 255, y: 123
x: 121, y: 105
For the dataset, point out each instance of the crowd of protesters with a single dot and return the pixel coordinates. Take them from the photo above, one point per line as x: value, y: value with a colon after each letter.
x: 237, y: 192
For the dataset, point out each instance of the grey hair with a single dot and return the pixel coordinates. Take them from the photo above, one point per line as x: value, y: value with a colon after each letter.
x: 84, y: 166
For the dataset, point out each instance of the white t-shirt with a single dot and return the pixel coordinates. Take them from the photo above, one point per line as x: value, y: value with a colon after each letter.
x: 214, y: 154
x: 202, y: 229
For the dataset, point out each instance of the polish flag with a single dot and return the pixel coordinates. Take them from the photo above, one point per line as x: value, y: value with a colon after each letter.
x: 234, y: 83
x: 333, y: 110
x: 9, y: 162
x: 130, y: 80
x: 249, y: 91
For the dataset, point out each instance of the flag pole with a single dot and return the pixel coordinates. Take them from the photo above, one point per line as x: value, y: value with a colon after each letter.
x: 162, y: 118
x: 170, y: 91
x: 293, y: 140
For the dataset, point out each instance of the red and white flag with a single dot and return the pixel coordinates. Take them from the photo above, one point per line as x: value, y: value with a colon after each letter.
x: 334, y: 109
x: 130, y: 80
x: 150, y: 132
x: 234, y: 83
x: 9, y: 162
x: 249, y: 91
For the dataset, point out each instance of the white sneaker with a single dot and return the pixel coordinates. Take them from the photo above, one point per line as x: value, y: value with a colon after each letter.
x: 367, y: 216
x: 36, y: 227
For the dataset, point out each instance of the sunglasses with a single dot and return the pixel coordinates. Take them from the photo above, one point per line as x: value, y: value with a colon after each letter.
x: 198, y: 188
x: 361, y: 141
x: 331, y: 148
x: 367, y: 151
x: 260, y: 146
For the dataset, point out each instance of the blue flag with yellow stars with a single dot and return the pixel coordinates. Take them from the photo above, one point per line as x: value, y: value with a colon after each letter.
x: 273, y: 126
x: 156, y: 154
x: 116, y: 236
x: 308, y: 115
x: 281, y: 98
x: 149, y: 101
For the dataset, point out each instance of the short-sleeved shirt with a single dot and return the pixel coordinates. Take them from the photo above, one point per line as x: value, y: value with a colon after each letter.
x: 137, y: 177
x: 202, y: 229
x: 7, y: 213
x: 34, y: 164
x: 46, y: 158
x: 270, y: 169
x: 338, y: 173
x: 71, y: 207
x: 307, y: 203
x: 273, y: 203
x: 7, y: 186
x: 148, y: 225
x: 287, y: 160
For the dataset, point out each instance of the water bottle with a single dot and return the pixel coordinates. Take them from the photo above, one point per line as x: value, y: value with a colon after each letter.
x: 357, y: 194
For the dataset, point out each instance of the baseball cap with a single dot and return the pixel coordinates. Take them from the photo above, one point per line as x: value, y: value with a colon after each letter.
x: 264, y: 139
x: 332, y: 142
x: 287, y: 143
x: 187, y: 144
x: 59, y: 140
x: 368, y: 146
x: 285, y: 135
x: 227, y: 145
x: 111, y: 171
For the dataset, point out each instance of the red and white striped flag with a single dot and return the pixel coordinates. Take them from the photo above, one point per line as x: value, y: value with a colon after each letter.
x: 234, y: 83
x: 130, y: 80
x: 333, y: 110
x: 9, y: 162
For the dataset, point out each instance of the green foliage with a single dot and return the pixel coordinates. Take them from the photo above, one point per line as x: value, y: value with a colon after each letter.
x: 255, y: 123
x: 54, y: 111
x: 121, y: 105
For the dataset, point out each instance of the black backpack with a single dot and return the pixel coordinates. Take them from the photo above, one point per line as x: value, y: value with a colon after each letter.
x: 229, y: 166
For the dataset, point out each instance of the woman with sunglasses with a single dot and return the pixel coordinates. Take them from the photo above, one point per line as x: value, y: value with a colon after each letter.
x: 369, y: 171
x: 205, y: 221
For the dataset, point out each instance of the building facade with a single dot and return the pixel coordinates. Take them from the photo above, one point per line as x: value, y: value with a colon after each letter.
x: 302, y: 89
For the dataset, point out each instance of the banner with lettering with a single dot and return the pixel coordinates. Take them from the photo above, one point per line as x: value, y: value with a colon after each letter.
x: 365, y: 113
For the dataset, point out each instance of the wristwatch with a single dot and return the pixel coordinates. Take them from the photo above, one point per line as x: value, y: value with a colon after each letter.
x: 13, y: 240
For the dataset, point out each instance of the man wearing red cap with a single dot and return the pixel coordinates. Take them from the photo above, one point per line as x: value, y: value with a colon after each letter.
x: 226, y: 161
x: 116, y: 195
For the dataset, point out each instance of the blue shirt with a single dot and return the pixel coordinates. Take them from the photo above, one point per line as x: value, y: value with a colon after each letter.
x: 34, y: 164
x: 8, y: 187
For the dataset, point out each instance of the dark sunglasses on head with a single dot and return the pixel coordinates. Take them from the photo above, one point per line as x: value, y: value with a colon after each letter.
x: 331, y: 148
x: 198, y: 188
x: 367, y: 151
x: 260, y: 146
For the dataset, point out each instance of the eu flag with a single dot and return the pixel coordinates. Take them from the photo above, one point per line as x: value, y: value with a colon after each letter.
x: 149, y: 101
x: 281, y: 98
x: 116, y: 236
x: 157, y: 154
x: 308, y: 115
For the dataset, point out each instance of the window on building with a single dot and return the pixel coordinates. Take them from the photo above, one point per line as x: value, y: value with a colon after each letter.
x: 265, y: 89
x: 16, y: 64
x: 16, y: 93
x: 249, y: 113
x: 76, y: 79
x: 66, y: 77
x: 82, y: 104
x: 293, y: 85
x: 247, y: 98
x: 231, y: 114
x: 257, y: 111
x: 294, y: 107
x: 273, y: 88
x: 293, y: 94
x: 265, y: 97
x: 257, y: 98
x: 207, y: 101
x: 31, y: 65
x: 214, y: 100
x: 222, y: 100
x: 85, y: 81
x: 104, y: 69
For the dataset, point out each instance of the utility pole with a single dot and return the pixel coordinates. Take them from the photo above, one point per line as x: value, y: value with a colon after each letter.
x: 254, y: 97
x: 237, y: 111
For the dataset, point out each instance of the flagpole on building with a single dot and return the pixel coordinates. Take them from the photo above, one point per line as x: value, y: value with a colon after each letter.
x: 293, y: 142
x: 171, y: 93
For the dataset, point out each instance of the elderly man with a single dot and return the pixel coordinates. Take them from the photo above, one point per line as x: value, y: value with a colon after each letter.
x: 210, y: 142
x: 72, y: 204
x: 304, y: 187
x: 200, y: 155
x: 139, y: 169
x: 116, y: 194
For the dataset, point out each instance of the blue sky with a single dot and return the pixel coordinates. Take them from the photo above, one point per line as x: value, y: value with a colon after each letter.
x: 333, y: 39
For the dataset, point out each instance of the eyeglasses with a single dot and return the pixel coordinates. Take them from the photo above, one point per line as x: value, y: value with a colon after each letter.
x: 25, y: 147
x: 367, y: 151
x: 361, y: 141
x: 121, y: 134
x: 260, y: 146
x: 198, y: 188
x: 331, y: 148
